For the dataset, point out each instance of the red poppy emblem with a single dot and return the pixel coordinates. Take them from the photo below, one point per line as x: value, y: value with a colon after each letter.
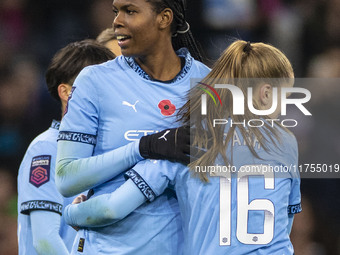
x: 167, y: 108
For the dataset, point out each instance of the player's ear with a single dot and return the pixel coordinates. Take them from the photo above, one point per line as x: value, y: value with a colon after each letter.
x: 165, y: 18
x: 266, y: 95
x: 64, y: 91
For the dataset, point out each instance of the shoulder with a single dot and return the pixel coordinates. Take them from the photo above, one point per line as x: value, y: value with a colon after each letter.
x: 196, y: 66
x: 285, y: 150
x: 200, y: 70
x: 100, y: 68
x: 288, y: 140
x: 95, y: 71
x: 201, y: 66
x: 44, y: 141
x: 43, y: 146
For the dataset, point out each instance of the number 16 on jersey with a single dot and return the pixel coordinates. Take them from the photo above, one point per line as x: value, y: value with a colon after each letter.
x: 243, y: 206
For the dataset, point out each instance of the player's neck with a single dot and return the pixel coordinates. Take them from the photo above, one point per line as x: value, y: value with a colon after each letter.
x: 163, y: 65
x: 63, y: 108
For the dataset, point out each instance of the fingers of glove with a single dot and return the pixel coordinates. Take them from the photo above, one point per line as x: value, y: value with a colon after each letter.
x: 185, y: 149
x: 183, y: 134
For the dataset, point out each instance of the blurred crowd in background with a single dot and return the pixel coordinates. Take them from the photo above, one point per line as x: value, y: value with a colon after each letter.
x: 307, y: 31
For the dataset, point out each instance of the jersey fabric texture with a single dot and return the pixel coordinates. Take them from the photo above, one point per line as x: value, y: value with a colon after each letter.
x: 37, y: 190
x: 113, y: 104
x: 245, y: 212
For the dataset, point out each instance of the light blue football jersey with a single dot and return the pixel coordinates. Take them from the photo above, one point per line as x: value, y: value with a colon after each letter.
x: 245, y: 212
x: 37, y: 189
x: 113, y: 104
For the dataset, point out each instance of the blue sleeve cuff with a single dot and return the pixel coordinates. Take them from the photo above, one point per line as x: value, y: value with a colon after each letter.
x: 141, y: 184
x: 42, y: 205
x: 293, y: 209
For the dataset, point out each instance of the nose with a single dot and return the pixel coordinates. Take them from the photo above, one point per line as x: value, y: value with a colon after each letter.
x: 118, y: 20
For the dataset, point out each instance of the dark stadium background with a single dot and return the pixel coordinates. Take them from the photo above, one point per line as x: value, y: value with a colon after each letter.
x: 307, y: 31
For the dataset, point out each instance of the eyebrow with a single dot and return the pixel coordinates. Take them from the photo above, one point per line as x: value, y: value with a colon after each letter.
x: 124, y: 7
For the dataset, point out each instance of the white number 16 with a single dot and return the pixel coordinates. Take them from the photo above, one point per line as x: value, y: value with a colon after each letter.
x: 243, y: 207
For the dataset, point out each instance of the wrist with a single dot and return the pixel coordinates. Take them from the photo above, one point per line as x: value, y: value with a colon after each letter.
x: 143, y: 145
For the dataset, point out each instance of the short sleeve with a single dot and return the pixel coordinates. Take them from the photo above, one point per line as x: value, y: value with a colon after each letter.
x: 36, y: 184
x: 291, y: 150
x: 295, y: 197
x: 152, y: 177
x: 284, y: 159
x: 80, y: 121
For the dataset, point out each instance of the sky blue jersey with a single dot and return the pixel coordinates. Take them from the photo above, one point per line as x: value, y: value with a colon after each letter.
x: 247, y: 211
x: 112, y: 105
x: 37, y: 189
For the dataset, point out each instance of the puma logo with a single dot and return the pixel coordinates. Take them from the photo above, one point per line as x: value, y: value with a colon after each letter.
x: 131, y: 105
x: 163, y: 136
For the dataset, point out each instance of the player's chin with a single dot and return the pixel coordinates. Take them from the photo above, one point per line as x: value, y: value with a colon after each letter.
x: 127, y: 52
x: 131, y: 52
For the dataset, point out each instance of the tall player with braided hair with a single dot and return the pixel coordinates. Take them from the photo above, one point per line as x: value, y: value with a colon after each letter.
x: 113, y: 116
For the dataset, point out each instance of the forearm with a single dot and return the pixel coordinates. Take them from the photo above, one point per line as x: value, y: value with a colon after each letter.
x: 105, y: 209
x: 290, y: 223
x: 77, y: 171
x: 45, y: 232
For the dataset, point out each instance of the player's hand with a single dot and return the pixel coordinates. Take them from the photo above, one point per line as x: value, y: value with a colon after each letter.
x: 79, y: 199
x: 172, y: 144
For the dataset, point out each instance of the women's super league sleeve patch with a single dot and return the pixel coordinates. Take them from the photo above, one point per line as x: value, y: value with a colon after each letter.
x: 43, y: 205
x: 40, y: 170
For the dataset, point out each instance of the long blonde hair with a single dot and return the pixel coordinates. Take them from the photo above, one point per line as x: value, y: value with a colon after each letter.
x: 239, y: 64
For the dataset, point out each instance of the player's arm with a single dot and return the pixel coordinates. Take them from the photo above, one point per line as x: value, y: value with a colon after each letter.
x: 290, y: 223
x: 108, y: 208
x: 45, y: 233
x: 77, y: 170
x: 105, y: 209
x: 295, y: 194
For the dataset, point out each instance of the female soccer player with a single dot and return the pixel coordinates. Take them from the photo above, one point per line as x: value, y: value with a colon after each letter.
x: 244, y: 209
x: 41, y: 229
x: 113, y: 105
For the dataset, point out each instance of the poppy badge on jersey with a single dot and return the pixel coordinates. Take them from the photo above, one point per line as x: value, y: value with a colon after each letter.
x: 166, y: 107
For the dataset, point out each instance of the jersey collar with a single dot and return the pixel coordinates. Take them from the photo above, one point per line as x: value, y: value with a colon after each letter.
x: 183, y: 52
x: 55, y: 124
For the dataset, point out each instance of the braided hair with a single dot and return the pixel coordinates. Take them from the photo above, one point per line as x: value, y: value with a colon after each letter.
x: 180, y: 28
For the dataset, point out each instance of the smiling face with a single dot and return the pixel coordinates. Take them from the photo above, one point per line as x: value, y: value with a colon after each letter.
x: 136, y: 27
